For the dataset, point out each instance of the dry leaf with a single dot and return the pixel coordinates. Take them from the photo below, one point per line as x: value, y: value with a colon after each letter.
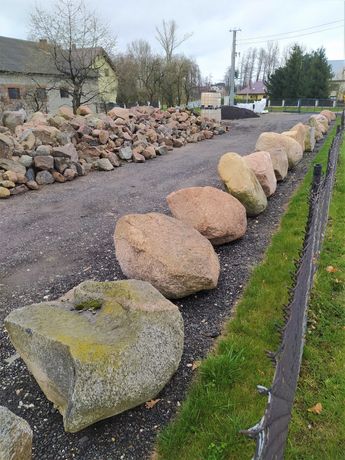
x: 317, y: 409
x: 331, y: 269
x: 195, y: 365
x: 152, y: 403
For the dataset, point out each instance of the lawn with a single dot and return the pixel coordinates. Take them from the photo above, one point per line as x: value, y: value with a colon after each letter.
x: 223, y: 398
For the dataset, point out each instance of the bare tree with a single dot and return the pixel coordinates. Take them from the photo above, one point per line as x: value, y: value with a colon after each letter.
x: 167, y: 38
x: 77, y: 42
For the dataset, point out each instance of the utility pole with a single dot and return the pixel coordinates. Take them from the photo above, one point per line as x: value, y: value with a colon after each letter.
x: 232, y: 69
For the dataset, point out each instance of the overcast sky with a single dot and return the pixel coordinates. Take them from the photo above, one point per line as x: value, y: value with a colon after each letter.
x: 209, y: 21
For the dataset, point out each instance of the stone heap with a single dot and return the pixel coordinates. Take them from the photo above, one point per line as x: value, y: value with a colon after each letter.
x: 58, y: 148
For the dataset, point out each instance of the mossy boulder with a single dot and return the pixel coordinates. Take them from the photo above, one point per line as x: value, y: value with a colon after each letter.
x: 242, y: 183
x: 15, y: 436
x: 102, y: 349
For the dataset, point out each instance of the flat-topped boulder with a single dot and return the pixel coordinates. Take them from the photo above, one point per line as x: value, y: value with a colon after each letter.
x: 275, y: 142
x: 15, y: 436
x: 261, y: 164
x: 170, y: 254
x: 101, y: 349
x: 217, y: 215
x: 242, y: 183
x: 314, y: 123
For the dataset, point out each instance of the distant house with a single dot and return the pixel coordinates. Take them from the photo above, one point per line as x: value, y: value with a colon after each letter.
x: 253, y: 92
x: 30, y: 79
x: 338, y: 80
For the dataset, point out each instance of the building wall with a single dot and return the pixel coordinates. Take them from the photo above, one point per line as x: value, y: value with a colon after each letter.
x: 107, y: 80
x: 27, y: 84
x: 249, y: 97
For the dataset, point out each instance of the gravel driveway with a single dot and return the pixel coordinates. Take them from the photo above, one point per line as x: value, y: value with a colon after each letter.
x: 55, y: 238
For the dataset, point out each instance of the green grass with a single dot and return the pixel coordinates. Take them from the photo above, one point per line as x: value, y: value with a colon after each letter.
x: 322, y: 378
x: 223, y: 398
x: 304, y: 109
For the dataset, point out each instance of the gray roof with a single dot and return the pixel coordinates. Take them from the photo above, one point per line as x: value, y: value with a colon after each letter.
x: 23, y: 56
x: 257, y: 87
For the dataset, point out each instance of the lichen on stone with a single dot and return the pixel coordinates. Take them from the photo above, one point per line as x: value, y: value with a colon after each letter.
x: 90, y: 304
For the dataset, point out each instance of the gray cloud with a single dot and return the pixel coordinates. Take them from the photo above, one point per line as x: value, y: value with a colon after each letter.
x: 209, y: 21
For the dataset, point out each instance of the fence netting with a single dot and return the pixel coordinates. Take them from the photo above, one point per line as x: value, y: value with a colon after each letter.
x: 271, y: 431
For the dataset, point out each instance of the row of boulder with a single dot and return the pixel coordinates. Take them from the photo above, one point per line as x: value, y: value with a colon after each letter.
x: 105, y: 347
x: 45, y: 148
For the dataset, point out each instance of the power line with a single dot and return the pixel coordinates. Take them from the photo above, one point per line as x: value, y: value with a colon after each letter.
x: 292, y: 37
x: 291, y: 32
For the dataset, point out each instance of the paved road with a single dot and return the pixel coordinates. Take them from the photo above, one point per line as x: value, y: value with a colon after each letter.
x: 52, y: 234
x: 53, y: 239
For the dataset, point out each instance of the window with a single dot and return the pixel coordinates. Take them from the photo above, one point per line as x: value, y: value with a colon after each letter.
x: 14, y: 93
x: 64, y: 92
x: 41, y: 94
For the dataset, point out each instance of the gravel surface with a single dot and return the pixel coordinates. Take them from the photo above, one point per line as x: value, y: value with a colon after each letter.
x: 53, y: 239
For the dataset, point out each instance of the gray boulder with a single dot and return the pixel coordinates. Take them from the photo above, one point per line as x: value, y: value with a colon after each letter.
x: 101, y: 349
x: 11, y: 119
x: 26, y: 160
x: 44, y: 178
x: 125, y: 153
x: 15, y: 436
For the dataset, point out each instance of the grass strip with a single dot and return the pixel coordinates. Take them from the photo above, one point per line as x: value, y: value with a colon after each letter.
x: 223, y: 399
x: 304, y: 109
x: 322, y: 379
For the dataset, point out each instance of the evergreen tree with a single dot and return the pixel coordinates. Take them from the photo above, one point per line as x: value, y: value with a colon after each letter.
x: 303, y: 75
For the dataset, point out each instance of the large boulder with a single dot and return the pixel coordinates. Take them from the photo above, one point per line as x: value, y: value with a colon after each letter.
x: 270, y: 141
x: 299, y: 134
x: 65, y: 112
x: 261, y: 165
x: 168, y: 253
x: 314, y: 123
x: 309, y: 138
x: 15, y: 436
x: 328, y: 114
x: 323, y: 122
x: 242, y: 183
x: 102, y: 349
x: 217, y: 215
x: 14, y: 118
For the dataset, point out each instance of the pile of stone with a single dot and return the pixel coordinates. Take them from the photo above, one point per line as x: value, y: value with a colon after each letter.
x: 115, y: 344
x: 58, y: 148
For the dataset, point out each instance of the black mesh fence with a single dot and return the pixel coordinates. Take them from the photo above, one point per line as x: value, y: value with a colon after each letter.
x: 271, y: 432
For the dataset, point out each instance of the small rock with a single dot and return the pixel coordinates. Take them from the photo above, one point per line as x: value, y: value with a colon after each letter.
x: 19, y: 189
x: 125, y: 153
x: 15, y: 436
x: 21, y: 178
x: 26, y: 160
x: 103, y: 164
x: 58, y: 177
x: 4, y: 192
x: 66, y: 151
x: 162, y: 150
x: 32, y: 185
x: 6, y: 146
x: 44, y: 178
x: 11, y: 119
x: 70, y: 174
x: 138, y: 158
x: 7, y: 184
x: 45, y: 162
x: 42, y: 150
x: 30, y: 174
x: 11, y: 176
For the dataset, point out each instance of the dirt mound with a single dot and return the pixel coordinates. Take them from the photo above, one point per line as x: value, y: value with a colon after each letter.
x: 236, y: 113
